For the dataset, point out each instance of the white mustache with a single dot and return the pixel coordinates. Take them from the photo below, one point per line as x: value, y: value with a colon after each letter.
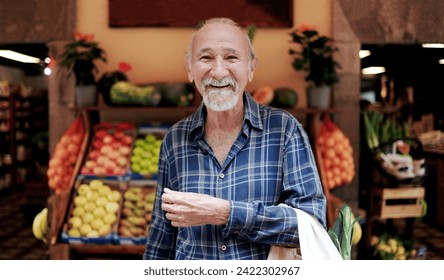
x: 219, y: 82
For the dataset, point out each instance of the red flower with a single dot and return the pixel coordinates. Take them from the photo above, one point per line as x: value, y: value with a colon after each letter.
x: 83, y: 37
x: 124, y: 67
x: 305, y: 27
x: 52, y: 62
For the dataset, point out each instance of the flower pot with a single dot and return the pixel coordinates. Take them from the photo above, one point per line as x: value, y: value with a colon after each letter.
x: 86, y: 95
x: 318, y: 97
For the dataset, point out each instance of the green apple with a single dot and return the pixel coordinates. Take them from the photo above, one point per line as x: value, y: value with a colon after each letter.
x: 112, y: 207
x: 89, y: 206
x: 75, y: 222
x: 74, y: 232
x: 79, y: 200
x: 91, y: 195
x: 87, y: 218
x: 96, y: 223
x: 82, y: 189
x: 109, y: 218
x: 104, y: 190
x: 93, y: 234
x: 99, y: 212
x: 85, y: 229
x: 101, y: 201
x: 78, y: 211
x: 104, y: 230
x: 114, y: 196
x: 95, y: 184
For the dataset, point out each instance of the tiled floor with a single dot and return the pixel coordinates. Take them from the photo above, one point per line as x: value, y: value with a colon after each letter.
x: 18, y: 243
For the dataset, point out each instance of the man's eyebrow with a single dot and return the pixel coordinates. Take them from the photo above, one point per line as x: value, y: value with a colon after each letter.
x: 226, y: 50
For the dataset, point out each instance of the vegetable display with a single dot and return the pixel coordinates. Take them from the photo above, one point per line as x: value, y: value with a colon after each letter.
x: 379, y: 130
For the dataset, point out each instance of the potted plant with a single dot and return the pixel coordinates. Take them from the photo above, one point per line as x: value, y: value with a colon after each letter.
x: 80, y: 57
x: 109, y: 78
x: 314, y: 56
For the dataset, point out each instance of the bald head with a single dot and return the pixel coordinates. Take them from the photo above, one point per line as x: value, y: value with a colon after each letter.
x: 220, y: 20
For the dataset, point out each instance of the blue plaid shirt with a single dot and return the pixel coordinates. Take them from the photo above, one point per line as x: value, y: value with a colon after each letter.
x: 271, y: 162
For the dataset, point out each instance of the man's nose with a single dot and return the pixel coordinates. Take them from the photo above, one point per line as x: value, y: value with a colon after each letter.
x: 219, y: 68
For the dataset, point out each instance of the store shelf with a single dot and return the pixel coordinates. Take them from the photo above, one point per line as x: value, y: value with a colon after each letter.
x: 23, y: 111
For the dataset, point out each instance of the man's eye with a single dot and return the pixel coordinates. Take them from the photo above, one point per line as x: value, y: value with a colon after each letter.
x: 232, y: 57
x: 205, y: 57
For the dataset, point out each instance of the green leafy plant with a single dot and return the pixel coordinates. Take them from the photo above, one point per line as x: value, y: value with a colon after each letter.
x: 80, y: 56
x: 342, y: 231
x: 314, y: 55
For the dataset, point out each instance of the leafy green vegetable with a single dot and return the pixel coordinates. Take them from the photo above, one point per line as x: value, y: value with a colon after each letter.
x: 342, y: 231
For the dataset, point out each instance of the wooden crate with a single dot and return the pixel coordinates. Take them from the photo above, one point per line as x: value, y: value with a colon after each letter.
x: 396, y: 203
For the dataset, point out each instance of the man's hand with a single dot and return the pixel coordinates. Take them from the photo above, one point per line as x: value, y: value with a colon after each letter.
x: 194, y: 209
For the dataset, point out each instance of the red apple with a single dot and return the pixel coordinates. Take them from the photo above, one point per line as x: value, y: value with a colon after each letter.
x: 116, y: 145
x: 85, y: 170
x: 124, y: 150
x: 113, y: 154
x: 94, y: 154
x: 105, y: 149
x: 119, y: 135
x: 101, y: 160
x: 122, y: 161
x: 101, y: 133
x: 90, y: 164
x: 97, y: 144
x: 98, y: 170
x: 108, y: 139
x: 127, y: 140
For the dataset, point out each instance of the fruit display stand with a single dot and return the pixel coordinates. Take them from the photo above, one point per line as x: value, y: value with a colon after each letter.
x: 59, y: 204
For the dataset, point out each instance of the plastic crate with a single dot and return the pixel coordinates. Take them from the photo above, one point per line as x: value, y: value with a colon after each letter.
x: 158, y: 132
x: 104, y: 158
x: 107, y: 239
x: 128, y: 237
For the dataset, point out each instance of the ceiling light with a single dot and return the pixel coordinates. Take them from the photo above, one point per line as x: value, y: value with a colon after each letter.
x: 364, y: 53
x: 19, y: 56
x: 433, y: 45
x: 373, y: 70
x: 47, y: 71
x: 441, y: 61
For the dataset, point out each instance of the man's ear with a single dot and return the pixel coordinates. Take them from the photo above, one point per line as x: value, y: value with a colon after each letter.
x: 188, y: 69
x: 253, y: 65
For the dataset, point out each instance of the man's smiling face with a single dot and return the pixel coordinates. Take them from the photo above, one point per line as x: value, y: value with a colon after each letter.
x: 220, y: 66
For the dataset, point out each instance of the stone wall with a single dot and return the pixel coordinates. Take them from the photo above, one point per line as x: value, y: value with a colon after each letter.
x: 36, y: 21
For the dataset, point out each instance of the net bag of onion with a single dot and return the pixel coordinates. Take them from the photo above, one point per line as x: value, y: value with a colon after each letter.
x: 334, y: 155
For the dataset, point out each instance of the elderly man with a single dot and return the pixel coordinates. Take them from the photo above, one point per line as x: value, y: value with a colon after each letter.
x: 224, y: 170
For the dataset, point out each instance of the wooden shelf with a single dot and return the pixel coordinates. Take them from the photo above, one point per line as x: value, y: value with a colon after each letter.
x: 190, y: 109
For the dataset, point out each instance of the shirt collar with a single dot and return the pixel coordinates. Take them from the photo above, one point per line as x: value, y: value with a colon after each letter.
x: 251, y: 116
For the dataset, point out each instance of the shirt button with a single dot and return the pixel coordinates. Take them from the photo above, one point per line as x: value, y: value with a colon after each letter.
x: 223, y: 247
x: 221, y: 175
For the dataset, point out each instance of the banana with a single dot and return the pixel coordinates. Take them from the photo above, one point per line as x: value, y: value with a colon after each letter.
x: 36, y: 227
x: 44, y: 220
x: 40, y: 223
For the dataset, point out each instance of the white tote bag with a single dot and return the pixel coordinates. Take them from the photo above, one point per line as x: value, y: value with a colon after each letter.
x: 314, y: 241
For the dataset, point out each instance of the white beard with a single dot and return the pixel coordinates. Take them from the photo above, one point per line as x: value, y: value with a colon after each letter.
x: 220, y: 99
